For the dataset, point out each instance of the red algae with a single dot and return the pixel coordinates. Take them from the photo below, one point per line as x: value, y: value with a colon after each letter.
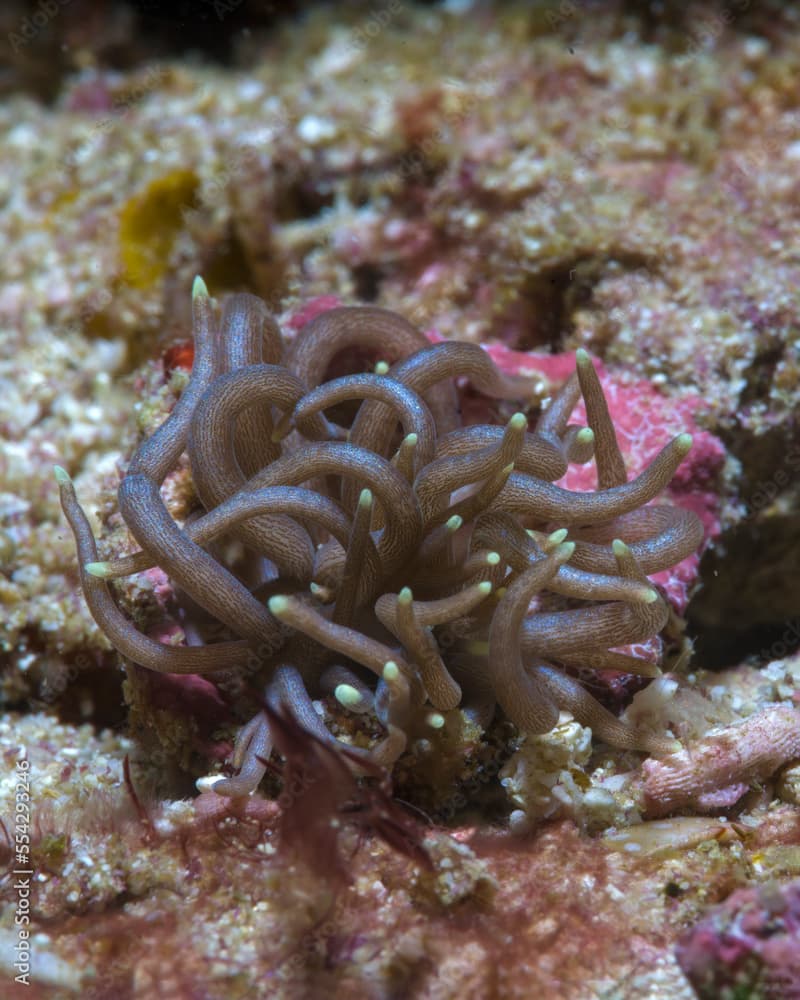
x: 645, y: 420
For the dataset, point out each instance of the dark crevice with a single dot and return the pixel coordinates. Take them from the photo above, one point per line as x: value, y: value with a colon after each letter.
x: 42, y: 44
x: 770, y: 463
x: 749, y: 603
x: 759, y: 376
x: 718, y: 648
x: 94, y: 696
x: 301, y: 197
x: 540, y: 316
x: 367, y: 279
x: 78, y: 688
x: 227, y: 268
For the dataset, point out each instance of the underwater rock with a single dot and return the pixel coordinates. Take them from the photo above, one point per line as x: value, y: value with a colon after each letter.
x: 748, y: 946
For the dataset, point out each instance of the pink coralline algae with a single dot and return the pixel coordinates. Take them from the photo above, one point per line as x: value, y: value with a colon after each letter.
x: 312, y: 309
x: 749, y: 946
x: 714, y: 773
x: 644, y: 419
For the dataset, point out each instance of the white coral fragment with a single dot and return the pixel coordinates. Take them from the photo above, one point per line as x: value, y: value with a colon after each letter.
x: 546, y: 777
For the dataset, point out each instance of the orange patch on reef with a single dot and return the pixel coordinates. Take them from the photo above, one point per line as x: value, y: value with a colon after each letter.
x: 180, y: 355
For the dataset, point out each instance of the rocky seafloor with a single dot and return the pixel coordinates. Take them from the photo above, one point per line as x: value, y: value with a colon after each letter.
x: 536, y: 177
